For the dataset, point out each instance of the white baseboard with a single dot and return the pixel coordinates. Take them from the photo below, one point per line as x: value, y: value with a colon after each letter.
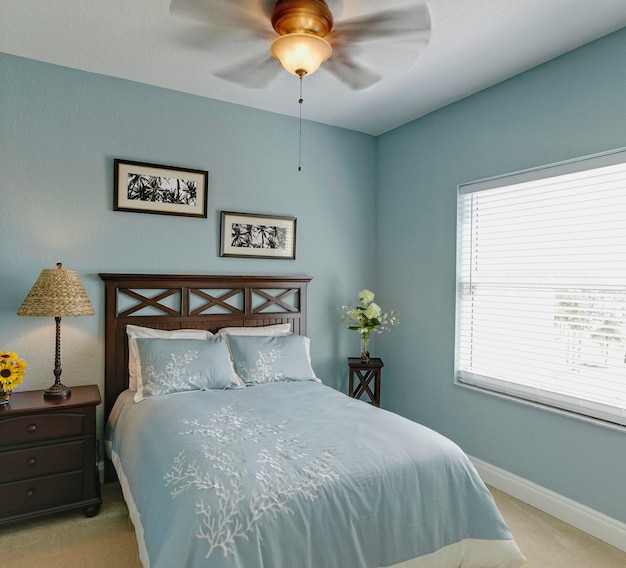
x: 575, y: 514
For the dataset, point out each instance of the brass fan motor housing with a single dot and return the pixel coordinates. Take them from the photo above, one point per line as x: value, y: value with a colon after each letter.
x: 302, y: 16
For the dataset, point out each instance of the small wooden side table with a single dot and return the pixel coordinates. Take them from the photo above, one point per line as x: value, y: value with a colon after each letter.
x: 365, y: 374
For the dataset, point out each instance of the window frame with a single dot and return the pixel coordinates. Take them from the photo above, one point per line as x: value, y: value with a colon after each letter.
x: 581, y: 164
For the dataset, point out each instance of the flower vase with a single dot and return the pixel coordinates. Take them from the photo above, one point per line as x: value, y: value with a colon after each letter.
x: 4, y: 397
x: 365, y: 352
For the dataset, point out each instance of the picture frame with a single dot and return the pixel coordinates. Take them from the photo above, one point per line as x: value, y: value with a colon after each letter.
x: 164, y: 190
x: 252, y: 235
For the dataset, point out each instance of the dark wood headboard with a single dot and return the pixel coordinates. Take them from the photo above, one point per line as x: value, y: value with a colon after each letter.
x: 184, y: 301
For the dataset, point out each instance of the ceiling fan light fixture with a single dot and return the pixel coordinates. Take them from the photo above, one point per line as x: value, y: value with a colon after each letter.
x: 301, y: 53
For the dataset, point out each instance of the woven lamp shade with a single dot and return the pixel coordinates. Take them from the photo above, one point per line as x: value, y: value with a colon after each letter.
x: 56, y: 293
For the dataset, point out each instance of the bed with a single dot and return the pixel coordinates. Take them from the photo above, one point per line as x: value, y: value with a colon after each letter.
x: 247, y: 460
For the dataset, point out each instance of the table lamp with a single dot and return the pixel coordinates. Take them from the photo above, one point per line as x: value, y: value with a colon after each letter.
x: 57, y: 293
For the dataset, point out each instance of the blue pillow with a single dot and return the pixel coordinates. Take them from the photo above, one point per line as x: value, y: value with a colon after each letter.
x: 270, y: 359
x: 178, y: 365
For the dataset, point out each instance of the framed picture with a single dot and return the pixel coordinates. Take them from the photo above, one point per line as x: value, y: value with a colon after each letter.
x: 152, y: 188
x: 258, y: 236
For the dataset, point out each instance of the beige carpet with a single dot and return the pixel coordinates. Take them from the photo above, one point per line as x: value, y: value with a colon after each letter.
x: 549, y: 543
x: 71, y: 540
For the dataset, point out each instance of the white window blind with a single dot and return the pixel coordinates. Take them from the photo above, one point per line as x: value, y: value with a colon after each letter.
x: 541, y: 305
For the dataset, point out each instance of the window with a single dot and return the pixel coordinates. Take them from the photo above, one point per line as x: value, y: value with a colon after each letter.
x: 541, y: 302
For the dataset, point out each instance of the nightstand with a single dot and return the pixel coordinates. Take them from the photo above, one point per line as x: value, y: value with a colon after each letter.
x: 365, y: 374
x: 48, y: 454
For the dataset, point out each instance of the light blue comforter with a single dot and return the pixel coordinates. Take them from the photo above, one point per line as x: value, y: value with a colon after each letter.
x: 291, y: 475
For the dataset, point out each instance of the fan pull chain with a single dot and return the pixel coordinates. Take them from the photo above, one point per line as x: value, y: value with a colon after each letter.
x: 300, y: 101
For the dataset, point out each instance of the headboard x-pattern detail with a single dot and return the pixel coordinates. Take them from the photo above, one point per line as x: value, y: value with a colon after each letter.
x: 183, y: 301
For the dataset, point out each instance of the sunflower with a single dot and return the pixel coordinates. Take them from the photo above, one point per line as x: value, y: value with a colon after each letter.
x: 12, y: 370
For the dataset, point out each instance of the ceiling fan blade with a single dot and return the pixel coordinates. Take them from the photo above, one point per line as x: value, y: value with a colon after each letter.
x: 254, y: 72
x: 207, y: 38
x: 351, y: 73
x: 409, y: 22
x: 386, y: 39
x: 236, y: 14
x: 225, y: 29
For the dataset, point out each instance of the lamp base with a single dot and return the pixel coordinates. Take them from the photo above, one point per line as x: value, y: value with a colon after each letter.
x: 57, y: 390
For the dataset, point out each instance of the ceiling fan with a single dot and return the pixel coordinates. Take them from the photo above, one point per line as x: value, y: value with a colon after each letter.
x: 304, y: 34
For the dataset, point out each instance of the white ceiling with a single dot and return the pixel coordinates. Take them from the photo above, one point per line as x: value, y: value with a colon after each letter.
x: 473, y: 44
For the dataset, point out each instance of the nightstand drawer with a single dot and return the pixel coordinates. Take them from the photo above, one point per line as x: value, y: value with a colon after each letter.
x: 38, y: 427
x: 41, y: 460
x: 30, y: 495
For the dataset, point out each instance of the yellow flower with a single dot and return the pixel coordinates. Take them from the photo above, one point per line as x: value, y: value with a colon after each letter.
x: 8, y: 355
x: 12, y: 370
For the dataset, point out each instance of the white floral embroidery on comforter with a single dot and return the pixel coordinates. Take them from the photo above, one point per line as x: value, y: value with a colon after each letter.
x: 286, y: 470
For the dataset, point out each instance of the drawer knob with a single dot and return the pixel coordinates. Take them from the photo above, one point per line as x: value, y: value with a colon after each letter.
x: 30, y: 493
x: 31, y: 461
x: 32, y: 428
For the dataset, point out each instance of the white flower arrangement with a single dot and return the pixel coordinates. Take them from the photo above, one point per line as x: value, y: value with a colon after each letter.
x: 368, y: 318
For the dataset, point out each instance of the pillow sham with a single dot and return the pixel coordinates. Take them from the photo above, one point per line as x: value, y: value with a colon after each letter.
x: 135, y: 331
x: 276, y: 329
x: 178, y: 365
x: 270, y: 359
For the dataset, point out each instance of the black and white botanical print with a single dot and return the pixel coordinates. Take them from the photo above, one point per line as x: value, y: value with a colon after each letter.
x: 160, y: 189
x: 246, y: 235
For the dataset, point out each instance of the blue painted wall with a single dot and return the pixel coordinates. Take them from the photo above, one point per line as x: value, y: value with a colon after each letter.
x: 60, y: 130
x: 570, y: 107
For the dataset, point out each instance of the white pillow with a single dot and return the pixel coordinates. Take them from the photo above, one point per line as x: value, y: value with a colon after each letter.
x: 136, y: 331
x: 272, y: 330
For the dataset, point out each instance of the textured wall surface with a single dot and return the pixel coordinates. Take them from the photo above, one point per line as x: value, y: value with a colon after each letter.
x: 60, y: 131
x: 571, y: 107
